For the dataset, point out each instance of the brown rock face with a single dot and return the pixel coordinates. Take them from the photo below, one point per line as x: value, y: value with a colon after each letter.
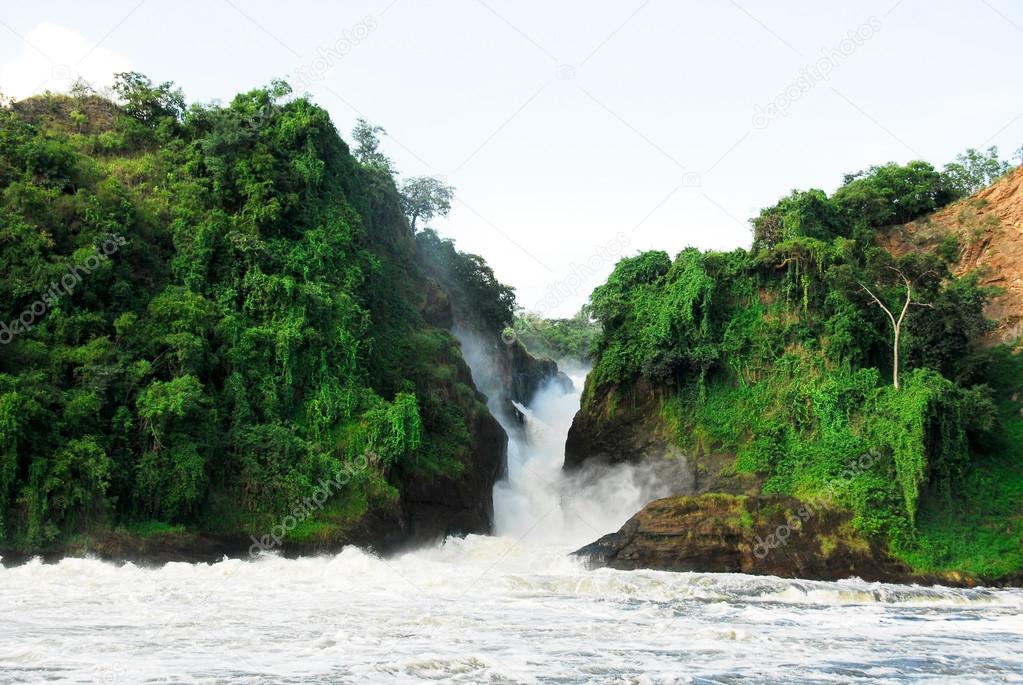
x: 617, y: 424
x: 761, y: 535
x: 989, y: 228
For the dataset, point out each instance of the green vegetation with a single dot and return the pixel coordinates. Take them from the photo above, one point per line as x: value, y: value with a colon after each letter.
x: 559, y: 339
x: 782, y: 357
x: 478, y: 291
x: 424, y: 197
x: 248, y: 336
x: 974, y: 170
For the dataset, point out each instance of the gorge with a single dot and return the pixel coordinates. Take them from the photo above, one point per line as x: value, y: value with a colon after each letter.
x: 281, y: 431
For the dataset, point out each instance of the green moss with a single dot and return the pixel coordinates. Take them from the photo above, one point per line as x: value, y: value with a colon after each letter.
x: 746, y: 520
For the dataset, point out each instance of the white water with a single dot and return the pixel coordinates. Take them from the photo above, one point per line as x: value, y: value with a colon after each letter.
x: 513, y: 608
x: 539, y: 504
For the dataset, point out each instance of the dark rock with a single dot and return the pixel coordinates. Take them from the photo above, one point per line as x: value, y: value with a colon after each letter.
x: 762, y: 535
x: 527, y: 374
x: 435, y: 508
x: 618, y: 424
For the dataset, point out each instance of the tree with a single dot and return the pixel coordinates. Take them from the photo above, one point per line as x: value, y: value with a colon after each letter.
x: 896, y: 323
x: 807, y: 214
x: 147, y: 102
x: 424, y: 197
x: 367, y: 146
x: 893, y: 193
x: 974, y: 170
x: 1019, y: 154
x: 80, y: 88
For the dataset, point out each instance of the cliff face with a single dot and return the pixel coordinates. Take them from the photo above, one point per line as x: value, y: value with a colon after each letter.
x: 434, y: 508
x: 618, y: 424
x: 765, y: 377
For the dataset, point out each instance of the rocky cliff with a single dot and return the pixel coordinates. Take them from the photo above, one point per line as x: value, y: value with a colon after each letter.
x: 626, y: 423
x: 732, y: 367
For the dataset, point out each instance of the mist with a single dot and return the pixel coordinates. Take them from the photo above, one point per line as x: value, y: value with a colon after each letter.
x: 541, y: 501
x: 537, y: 499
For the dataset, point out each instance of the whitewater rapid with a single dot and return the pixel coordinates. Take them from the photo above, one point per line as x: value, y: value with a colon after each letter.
x: 512, y: 608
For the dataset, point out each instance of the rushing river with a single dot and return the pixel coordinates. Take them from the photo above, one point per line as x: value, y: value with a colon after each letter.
x: 512, y: 608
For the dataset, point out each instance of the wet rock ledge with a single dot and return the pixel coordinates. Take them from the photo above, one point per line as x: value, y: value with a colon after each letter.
x: 759, y: 535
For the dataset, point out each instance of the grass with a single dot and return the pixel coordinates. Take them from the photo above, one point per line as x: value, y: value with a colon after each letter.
x: 146, y: 529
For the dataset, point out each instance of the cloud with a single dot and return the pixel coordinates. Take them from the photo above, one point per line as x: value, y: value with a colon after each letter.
x: 53, y: 57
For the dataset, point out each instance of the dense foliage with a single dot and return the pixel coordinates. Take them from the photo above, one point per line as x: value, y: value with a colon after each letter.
x: 781, y: 356
x: 237, y: 327
x: 490, y: 302
x: 570, y: 340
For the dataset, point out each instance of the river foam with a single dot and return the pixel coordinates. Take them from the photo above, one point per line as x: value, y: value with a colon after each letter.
x: 488, y: 609
x: 511, y: 608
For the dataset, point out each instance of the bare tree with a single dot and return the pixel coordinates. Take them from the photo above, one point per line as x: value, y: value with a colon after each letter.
x: 896, y: 323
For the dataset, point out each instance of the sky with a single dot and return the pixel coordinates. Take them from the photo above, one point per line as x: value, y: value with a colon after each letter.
x: 577, y: 132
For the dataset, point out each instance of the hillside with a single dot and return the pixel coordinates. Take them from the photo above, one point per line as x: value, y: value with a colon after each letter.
x: 219, y: 333
x: 988, y: 228
x: 771, y: 378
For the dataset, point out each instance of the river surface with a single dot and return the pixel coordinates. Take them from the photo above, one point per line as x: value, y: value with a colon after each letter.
x: 512, y: 608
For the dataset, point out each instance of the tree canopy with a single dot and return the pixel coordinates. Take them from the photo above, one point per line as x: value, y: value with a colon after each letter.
x: 425, y: 197
x: 782, y: 356
x: 243, y: 329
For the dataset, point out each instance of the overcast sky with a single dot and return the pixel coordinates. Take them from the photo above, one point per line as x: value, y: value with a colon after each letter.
x: 578, y: 131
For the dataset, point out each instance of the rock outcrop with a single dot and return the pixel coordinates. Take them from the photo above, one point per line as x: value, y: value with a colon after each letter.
x: 434, y: 508
x: 618, y: 424
x: 761, y: 535
x: 988, y: 227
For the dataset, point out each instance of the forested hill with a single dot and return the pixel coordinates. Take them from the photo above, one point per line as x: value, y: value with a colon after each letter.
x: 213, y: 313
x: 822, y: 367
